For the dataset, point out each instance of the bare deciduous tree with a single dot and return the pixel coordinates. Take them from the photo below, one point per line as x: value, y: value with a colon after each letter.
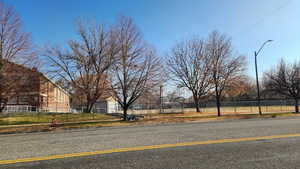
x: 86, y: 62
x: 285, y: 80
x: 136, y: 70
x: 15, y: 46
x: 189, y: 66
x: 241, y: 88
x: 14, y: 43
x: 225, y: 66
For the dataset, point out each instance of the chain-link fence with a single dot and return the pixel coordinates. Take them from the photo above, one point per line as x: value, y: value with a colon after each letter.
x: 209, y: 107
x: 235, y: 107
x: 240, y: 107
x: 154, y: 108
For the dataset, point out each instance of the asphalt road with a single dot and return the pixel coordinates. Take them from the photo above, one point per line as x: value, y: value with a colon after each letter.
x: 269, y: 153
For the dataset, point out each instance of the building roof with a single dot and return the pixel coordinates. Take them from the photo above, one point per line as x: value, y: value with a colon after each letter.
x: 34, y: 69
x: 55, y: 84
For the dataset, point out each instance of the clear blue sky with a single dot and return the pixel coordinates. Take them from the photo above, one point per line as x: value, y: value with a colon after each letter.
x: 163, y: 22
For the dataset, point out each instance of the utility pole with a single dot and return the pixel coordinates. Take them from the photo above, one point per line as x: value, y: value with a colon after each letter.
x: 256, y: 72
x: 257, y: 85
x: 161, y: 98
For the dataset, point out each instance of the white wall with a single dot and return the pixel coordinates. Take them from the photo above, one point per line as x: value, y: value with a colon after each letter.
x: 112, y: 106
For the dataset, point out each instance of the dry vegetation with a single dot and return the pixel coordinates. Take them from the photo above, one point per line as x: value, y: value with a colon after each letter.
x: 40, y: 118
x: 41, y: 123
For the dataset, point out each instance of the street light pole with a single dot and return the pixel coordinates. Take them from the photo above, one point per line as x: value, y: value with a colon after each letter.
x: 257, y: 85
x: 256, y: 72
x: 161, y: 98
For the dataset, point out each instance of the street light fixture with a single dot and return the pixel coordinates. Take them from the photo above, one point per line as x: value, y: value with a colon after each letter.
x: 257, y: 82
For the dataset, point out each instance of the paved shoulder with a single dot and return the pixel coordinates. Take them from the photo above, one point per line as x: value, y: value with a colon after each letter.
x: 46, y: 144
x: 263, y: 154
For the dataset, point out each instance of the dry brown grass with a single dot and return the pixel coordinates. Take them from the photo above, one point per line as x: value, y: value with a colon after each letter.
x: 245, y: 109
x: 150, y: 119
x: 42, y: 118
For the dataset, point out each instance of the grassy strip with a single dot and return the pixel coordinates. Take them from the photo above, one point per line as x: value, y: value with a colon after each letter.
x: 41, y: 118
x: 148, y: 120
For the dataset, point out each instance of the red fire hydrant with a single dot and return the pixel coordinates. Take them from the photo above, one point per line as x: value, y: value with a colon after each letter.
x: 54, y: 121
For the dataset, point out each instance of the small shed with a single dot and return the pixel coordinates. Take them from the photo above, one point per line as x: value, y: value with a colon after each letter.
x: 108, y: 105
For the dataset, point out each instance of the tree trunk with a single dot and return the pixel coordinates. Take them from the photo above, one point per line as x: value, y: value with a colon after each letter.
x: 218, y: 105
x: 125, y: 113
x: 218, y: 100
x: 296, y: 105
x: 89, y: 107
x: 197, y: 108
x: 196, y: 101
x: 2, y: 105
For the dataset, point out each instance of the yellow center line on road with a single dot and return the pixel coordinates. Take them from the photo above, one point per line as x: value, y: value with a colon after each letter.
x: 140, y: 148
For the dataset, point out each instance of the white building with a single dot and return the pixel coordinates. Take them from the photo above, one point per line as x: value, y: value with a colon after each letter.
x: 109, y: 105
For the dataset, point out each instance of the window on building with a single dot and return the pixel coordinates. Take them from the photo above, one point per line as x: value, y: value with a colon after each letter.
x: 13, y: 100
x: 23, y: 99
x: 36, y: 99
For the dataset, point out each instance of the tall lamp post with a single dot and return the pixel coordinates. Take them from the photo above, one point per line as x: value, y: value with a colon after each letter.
x: 257, y: 82
x: 161, y: 98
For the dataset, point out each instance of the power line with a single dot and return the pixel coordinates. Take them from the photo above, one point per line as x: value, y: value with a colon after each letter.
x: 262, y: 19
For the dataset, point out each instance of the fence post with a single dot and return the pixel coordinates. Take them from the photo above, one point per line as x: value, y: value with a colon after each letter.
x: 67, y: 117
x: 235, y: 106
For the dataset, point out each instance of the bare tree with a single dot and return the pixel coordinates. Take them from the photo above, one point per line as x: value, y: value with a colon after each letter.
x: 189, y: 66
x: 15, y: 46
x: 241, y: 88
x: 86, y: 62
x: 14, y: 43
x: 137, y: 68
x: 285, y: 80
x: 225, y: 66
